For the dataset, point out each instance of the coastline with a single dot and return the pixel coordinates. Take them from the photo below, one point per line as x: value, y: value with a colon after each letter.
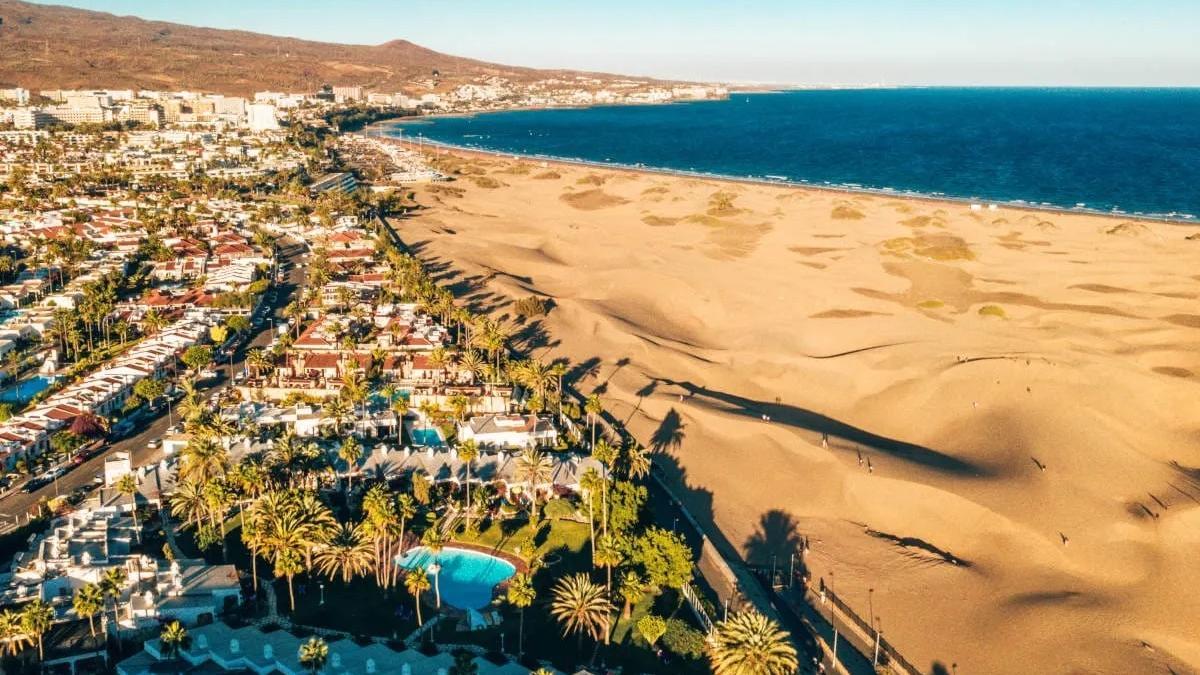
x: 1169, y: 218
x: 918, y: 197
x: 910, y: 385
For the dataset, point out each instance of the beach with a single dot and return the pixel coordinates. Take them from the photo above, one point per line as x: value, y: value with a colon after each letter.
x: 988, y: 416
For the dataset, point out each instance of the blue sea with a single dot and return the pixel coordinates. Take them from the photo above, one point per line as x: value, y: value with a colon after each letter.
x: 1134, y: 151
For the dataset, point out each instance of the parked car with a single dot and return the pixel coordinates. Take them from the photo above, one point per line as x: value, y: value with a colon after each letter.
x: 154, y: 444
x: 34, y: 484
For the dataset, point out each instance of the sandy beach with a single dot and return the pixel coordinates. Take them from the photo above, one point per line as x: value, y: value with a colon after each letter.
x: 990, y: 417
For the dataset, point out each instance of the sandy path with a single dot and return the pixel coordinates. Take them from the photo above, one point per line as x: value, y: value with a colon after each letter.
x: 956, y: 350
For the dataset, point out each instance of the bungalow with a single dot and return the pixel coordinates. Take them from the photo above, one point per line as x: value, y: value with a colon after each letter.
x: 220, y: 648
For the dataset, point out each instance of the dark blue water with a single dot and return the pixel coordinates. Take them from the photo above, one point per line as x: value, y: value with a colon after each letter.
x: 1134, y: 150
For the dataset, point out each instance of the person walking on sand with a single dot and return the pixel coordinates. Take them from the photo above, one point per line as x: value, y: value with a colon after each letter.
x: 825, y: 441
x: 860, y: 457
x: 870, y: 469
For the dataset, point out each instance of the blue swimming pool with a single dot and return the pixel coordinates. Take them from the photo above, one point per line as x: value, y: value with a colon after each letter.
x: 467, y: 578
x: 25, y: 390
x: 426, y: 437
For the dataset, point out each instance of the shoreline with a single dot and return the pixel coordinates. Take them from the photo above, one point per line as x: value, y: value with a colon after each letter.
x: 985, y: 204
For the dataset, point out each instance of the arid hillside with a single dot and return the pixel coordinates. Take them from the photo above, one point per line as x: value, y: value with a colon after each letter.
x: 45, y: 46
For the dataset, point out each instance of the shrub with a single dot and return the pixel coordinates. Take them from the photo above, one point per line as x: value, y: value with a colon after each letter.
x: 558, y: 509
x: 992, y: 310
x: 530, y: 307
x: 844, y: 212
x: 682, y: 639
x: 651, y: 628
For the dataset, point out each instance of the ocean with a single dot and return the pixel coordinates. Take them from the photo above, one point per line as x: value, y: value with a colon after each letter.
x: 1134, y: 151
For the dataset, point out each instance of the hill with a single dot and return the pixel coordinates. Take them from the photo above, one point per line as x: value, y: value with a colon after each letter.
x: 48, y: 46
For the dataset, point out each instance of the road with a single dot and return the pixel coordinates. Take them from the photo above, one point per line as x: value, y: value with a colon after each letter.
x: 17, y: 503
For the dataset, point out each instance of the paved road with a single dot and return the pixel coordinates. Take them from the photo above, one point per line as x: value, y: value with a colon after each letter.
x: 17, y: 503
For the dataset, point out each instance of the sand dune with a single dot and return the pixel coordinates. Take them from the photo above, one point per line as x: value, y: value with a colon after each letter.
x: 1023, y: 384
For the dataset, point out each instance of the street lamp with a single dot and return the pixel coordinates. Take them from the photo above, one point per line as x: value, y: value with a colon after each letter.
x: 322, y: 586
x: 833, y: 622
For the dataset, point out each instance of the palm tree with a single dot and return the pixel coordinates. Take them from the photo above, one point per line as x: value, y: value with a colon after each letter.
x: 435, y: 540
x: 534, y: 468
x: 288, y: 563
x: 468, y: 450
x: 88, y: 602
x: 12, y: 633
x: 204, y: 459
x: 35, y: 622
x: 128, y: 486
x: 417, y: 582
x: 355, y: 389
x: 637, y: 461
x: 350, y: 452
x: 749, y: 643
x: 348, y: 553
x: 313, y: 654
x: 112, y: 582
x: 338, y: 409
x: 607, y: 556
x: 259, y: 361
x: 605, y: 454
x: 521, y: 594
x: 594, y: 408
x: 174, y: 637
x: 188, y: 502
x: 154, y: 322
x: 581, y: 607
x: 632, y: 589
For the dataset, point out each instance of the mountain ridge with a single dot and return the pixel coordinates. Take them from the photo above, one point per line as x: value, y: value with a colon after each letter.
x: 52, y: 46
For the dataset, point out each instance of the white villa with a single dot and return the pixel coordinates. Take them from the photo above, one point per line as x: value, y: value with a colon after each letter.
x: 79, y: 548
x: 508, y: 431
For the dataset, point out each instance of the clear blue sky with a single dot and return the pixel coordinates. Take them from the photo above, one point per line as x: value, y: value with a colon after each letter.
x: 949, y: 42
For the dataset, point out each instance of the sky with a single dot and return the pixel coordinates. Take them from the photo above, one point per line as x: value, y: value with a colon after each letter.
x: 895, y: 42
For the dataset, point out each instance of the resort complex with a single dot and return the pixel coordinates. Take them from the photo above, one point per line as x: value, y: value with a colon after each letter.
x: 247, y: 428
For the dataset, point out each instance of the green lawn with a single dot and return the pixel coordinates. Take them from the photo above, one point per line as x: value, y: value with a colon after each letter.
x: 563, y: 538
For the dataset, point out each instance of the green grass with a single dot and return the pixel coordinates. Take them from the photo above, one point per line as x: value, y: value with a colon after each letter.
x: 558, y: 536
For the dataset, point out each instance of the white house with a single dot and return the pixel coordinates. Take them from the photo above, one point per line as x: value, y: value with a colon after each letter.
x: 508, y: 431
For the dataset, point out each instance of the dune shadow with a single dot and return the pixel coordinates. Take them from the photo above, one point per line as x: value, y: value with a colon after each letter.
x: 800, y: 418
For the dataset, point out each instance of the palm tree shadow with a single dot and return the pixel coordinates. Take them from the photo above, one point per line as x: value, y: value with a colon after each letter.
x: 669, y: 435
x: 776, y: 537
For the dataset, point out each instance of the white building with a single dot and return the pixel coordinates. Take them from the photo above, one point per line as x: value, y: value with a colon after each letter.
x: 508, y: 431
x: 261, y: 117
x: 15, y: 95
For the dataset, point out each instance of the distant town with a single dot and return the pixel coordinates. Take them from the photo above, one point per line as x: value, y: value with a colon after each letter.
x: 25, y: 110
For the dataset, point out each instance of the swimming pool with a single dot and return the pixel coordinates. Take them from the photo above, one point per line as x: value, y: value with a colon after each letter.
x: 426, y: 437
x: 467, y: 578
x: 24, y: 390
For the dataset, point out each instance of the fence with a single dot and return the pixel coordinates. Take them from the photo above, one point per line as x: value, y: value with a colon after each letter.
x: 893, y: 655
x: 689, y: 594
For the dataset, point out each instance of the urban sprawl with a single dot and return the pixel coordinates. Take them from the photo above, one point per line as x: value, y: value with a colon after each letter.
x: 244, y: 429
